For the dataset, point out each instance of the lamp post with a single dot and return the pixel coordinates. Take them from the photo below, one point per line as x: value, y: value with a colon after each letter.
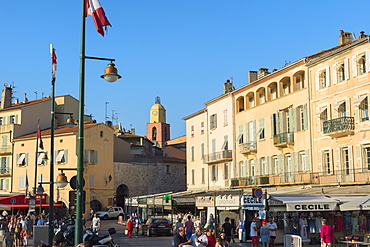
x: 110, y: 75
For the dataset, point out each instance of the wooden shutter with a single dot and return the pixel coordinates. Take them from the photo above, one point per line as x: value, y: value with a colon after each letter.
x: 291, y: 120
x: 254, y: 138
x: 317, y: 80
x: 268, y: 165
x: 91, y: 181
x: 26, y: 159
x: 272, y: 124
x: 348, y: 107
x: 359, y: 158
x: 297, y: 166
x: 281, y: 122
x: 262, y: 127
x: 247, y: 139
x: 305, y: 119
x: 319, y: 162
x: 307, y: 156
x: 354, y: 66
x: 335, y: 78
x: 66, y: 155
x: 346, y: 69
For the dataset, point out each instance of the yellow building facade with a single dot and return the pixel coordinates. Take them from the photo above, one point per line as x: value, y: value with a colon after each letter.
x: 304, y: 124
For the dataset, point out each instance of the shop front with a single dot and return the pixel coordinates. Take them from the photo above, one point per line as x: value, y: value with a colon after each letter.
x: 251, y: 207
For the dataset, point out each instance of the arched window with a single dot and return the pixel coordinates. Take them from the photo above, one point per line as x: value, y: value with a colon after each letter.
x: 154, y: 134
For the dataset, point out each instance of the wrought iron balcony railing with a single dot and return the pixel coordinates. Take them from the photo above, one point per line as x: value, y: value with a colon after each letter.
x: 218, y: 156
x: 283, y: 138
x: 340, y: 124
x: 248, y: 147
x: 4, y: 170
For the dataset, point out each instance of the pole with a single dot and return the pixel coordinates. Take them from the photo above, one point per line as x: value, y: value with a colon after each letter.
x: 80, y: 143
x: 36, y: 157
x: 52, y: 123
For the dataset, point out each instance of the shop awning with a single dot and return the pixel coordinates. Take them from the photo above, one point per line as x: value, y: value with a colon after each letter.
x: 362, y: 203
x: 3, y: 207
x: 25, y: 206
x: 185, y: 200
x: 304, y: 203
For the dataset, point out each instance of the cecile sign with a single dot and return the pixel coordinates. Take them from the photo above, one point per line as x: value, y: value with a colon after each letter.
x: 309, y: 207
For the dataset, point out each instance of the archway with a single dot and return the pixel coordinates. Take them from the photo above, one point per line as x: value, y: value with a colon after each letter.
x: 122, y: 193
x: 96, y: 205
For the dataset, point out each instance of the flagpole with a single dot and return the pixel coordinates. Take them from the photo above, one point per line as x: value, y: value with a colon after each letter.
x: 52, y: 126
x: 36, y: 157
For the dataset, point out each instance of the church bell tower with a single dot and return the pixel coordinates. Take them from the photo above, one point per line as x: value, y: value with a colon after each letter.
x: 158, y: 131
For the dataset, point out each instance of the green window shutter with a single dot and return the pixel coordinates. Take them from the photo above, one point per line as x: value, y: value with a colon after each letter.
x: 281, y: 122
x: 26, y: 160
x: 334, y: 70
x: 327, y: 79
x: 307, y: 156
x: 346, y: 69
x: 247, y: 139
x: 16, y: 119
x: 273, y: 121
x: 291, y: 120
x: 254, y: 138
x: 6, y: 184
x: 354, y: 66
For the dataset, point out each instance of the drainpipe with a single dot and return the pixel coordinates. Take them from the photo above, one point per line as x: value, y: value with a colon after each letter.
x: 310, y: 123
x: 11, y: 175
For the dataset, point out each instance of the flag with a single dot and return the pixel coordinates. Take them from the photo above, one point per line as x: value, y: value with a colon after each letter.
x: 53, y: 63
x: 27, y: 184
x: 41, y: 145
x: 94, y: 9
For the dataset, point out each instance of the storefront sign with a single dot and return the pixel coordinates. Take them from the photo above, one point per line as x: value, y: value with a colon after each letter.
x: 250, y: 201
x: 227, y: 201
x: 311, y: 207
x: 207, y: 201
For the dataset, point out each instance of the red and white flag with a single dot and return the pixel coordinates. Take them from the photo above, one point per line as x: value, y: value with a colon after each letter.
x: 41, y: 145
x: 94, y: 9
x: 53, y: 63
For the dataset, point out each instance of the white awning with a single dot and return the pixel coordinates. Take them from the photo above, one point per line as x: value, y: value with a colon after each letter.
x: 306, y: 203
x: 21, y: 158
x: 362, y: 203
x: 60, y: 156
x: 39, y: 159
x: 318, y: 113
x: 359, y: 100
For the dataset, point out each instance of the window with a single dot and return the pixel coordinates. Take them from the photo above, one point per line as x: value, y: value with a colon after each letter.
x: 273, y: 93
x: 101, y: 133
x: 361, y: 63
x: 299, y: 84
x: 192, y: 176
x: 90, y: 156
x: 342, y: 109
x: 213, y: 121
x: 1, y: 120
x: 202, y: 128
x: 327, y: 162
x: 203, y: 175
x: 4, y: 184
x: 42, y: 158
x: 61, y: 156
x: 289, y: 162
x: 261, y: 97
x: 225, y: 117
x: 214, y: 174
x: 286, y: 88
x: 303, y: 160
x: 242, y: 169
x: 167, y: 169
x: 192, y: 131
x: 301, y: 121
x: 275, y: 165
x: 192, y: 153
x: 274, y: 124
x: 262, y: 129
x: 22, y: 159
x: 239, y: 139
x: 154, y: 133
x: 226, y: 171
x: 202, y: 151
x: 366, y: 152
x: 253, y: 168
x: 322, y: 79
x: 21, y: 183
x: 264, y: 167
x: 12, y: 119
x: 346, y: 161
x: 4, y: 165
x: 225, y: 146
x: 323, y: 116
x: 251, y: 101
x: 364, y: 109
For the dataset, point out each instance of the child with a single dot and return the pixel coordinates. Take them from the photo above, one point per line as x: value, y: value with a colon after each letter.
x: 24, y: 236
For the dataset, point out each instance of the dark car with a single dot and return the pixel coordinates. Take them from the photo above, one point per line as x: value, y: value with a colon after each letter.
x: 157, y: 226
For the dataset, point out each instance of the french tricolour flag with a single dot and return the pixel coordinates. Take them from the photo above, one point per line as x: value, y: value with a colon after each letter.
x: 94, y: 9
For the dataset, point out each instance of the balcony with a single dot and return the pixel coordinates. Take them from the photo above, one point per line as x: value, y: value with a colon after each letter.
x: 222, y: 156
x: 341, y: 126
x: 248, y: 147
x: 5, y: 149
x: 284, y: 139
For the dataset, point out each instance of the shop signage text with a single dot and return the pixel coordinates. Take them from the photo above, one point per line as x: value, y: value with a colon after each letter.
x: 207, y: 201
x: 308, y: 207
x: 227, y: 201
x: 249, y: 200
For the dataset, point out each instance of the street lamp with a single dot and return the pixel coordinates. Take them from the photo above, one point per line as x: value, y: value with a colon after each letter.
x: 110, y: 75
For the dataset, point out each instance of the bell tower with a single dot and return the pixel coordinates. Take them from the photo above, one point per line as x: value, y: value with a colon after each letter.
x: 158, y: 131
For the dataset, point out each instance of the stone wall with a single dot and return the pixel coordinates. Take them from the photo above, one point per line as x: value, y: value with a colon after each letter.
x: 150, y: 176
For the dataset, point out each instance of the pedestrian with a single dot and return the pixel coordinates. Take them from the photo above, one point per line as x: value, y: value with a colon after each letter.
x: 95, y: 224
x: 198, y: 238
x: 42, y: 221
x: 137, y: 225
x: 253, y: 233
x: 197, y: 222
x: 8, y: 237
x: 189, y: 226
x: 91, y: 213
x: 211, y: 238
x: 210, y: 222
x: 130, y: 226
x: 178, y: 225
x: 265, y: 235
x: 326, y: 234
x: 222, y: 242
x: 273, y: 228
x: 228, y: 229
x: 180, y: 238
x: 17, y: 232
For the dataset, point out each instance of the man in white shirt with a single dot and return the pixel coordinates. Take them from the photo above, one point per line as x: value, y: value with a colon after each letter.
x: 95, y: 224
x: 253, y: 233
x: 198, y: 238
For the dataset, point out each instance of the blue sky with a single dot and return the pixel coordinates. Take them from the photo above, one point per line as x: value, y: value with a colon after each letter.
x: 180, y: 50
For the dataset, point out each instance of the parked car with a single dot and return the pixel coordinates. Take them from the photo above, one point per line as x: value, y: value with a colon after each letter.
x: 156, y: 226
x: 110, y: 212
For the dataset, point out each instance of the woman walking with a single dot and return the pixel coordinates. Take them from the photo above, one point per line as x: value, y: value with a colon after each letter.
x: 265, y: 236
x: 211, y: 238
x: 130, y: 227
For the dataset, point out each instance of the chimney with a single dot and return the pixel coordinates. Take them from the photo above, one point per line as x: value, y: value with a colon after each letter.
x: 262, y: 72
x: 6, y: 97
x: 109, y: 123
x: 362, y: 35
x: 252, y: 76
x: 25, y: 98
x: 228, y: 86
x: 132, y: 131
x: 345, y: 37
